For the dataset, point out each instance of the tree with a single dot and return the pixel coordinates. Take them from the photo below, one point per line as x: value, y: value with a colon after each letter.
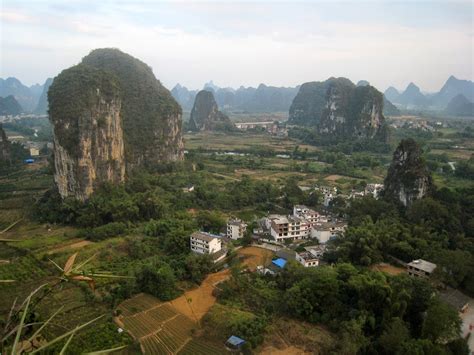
x: 394, y: 335
x: 442, y: 323
x: 157, y: 280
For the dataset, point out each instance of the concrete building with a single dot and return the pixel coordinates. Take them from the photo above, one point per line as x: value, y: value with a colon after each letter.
x: 307, y: 259
x: 420, y: 268
x: 289, y: 228
x: 308, y: 214
x: 236, y: 228
x: 34, y: 152
x: 325, y: 231
x: 205, y: 243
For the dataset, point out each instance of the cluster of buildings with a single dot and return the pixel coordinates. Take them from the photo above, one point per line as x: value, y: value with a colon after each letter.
x: 330, y: 193
x: 304, y: 223
x: 212, y: 244
x: 272, y: 127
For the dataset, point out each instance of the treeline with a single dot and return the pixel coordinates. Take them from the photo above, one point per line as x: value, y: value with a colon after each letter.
x: 114, y: 210
x: 312, y: 137
x: 370, y: 312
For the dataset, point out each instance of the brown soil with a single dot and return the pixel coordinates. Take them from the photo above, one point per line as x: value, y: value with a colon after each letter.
x: 290, y: 350
x: 387, y: 268
x: 196, y: 303
x: 333, y: 177
x: 76, y: 245
x: 254, y: 256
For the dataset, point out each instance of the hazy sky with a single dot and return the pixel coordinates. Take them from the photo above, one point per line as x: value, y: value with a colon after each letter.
x: 246, y: 43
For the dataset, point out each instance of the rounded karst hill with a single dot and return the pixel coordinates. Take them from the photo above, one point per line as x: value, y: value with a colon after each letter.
x: 151, y: 116
x: 110, y: 115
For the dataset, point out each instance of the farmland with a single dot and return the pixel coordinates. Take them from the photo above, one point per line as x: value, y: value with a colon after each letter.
x: 161, y: 328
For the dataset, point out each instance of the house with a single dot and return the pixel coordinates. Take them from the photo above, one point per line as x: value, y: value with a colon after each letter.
x: 205, y: 243
x: 312, y: 256
x: 34, y: 152
x: 307, y: 213
x: 307, y: 259
x: 420, y: 268
x: 289, y: 228
x: 326, y: 231
x: 236, y: 229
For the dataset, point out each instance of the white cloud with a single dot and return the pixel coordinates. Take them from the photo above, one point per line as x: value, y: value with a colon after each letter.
x: 236, y: 49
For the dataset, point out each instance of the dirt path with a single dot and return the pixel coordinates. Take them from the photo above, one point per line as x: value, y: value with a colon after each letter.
x: 76, y: 245
x: 196, y: 303
x: 387, y: 268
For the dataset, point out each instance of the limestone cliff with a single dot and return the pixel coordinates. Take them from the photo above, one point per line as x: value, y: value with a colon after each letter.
x: 339, y: 108
x: 205, y: 115
x: 408, y: 178
x: 85, y: 110
x: 110, y: 116
x: 4, y: 147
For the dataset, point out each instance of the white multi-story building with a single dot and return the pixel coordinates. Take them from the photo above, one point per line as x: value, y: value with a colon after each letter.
x: 289, y: 228
x: 325, y: 231
x: 205, y: 243
x: 236, y: 229
x: 307, y: 213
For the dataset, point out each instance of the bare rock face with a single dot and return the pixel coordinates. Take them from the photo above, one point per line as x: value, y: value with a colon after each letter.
x: 4, y: 146
x: 338, y: 108
x: 110, y: 116
x: 353, y: 112
x: 85, y: 109
x: 205, y: 115
x: 408, y: 178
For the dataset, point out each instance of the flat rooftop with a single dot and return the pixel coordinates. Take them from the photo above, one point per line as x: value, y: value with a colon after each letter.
x: 204, y: 236
x: 422, y: 265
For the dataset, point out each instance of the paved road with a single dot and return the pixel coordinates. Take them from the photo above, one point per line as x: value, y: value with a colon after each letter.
x: 467, y: 319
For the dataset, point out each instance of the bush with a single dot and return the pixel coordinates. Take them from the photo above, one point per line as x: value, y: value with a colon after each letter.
x: 113, y: 229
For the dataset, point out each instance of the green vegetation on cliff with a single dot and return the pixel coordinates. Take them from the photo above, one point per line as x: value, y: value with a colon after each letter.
x: 150, y: 114
x: 70, y: 97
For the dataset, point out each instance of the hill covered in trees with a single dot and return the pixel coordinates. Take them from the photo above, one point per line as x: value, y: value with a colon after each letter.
x: 111, y: 114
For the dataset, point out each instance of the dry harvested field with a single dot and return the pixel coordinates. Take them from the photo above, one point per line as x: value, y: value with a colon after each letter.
x: 254, y: 256
x: 333, y: 177
x: 387, y: 268
x: 197, y: 302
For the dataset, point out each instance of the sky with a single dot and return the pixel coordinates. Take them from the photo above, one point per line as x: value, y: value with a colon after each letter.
x: 234, y: 43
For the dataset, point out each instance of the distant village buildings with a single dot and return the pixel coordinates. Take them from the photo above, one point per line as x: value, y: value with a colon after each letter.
x: 272, y: 127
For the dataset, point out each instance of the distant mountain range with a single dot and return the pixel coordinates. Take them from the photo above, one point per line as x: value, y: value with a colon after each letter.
x: 261, y: 99
x: 31, y: 99
x: 413, y: 98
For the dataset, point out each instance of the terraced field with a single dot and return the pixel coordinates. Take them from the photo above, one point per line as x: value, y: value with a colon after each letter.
x: 161, y: 328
